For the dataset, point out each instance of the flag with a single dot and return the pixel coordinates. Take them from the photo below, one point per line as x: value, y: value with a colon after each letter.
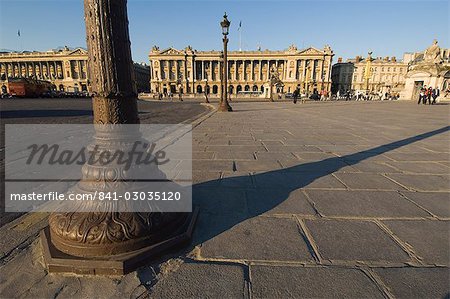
x: 240, y: 25
x: 18, y: 32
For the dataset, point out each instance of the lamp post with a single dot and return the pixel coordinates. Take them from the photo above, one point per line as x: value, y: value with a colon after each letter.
x: 206, y: 90
x: 367, y: 71
x: 109, y: 241
x: 224, y: 105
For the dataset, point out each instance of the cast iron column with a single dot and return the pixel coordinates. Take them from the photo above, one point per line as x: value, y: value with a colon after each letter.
x: 110, y: 232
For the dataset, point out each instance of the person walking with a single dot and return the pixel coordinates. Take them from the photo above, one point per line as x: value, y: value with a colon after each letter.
x: 295, y: 95
x: 435, y: 95
x: 421, y: 96
x: 429, y: 92
x: 180, y: 94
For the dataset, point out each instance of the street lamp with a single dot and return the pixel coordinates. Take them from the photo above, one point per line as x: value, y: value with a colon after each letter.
x: 206, y: 89
x: 368, y: 71
x: 110, y: 241
x: 224, y: 105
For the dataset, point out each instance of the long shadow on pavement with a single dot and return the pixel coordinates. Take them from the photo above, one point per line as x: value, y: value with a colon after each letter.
x: 227, y: 202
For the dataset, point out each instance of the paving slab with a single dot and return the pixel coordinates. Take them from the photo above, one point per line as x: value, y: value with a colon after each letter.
x: 409, y: 282
x: 259, y: 238
x: 202, y: 280
x: 429, y: 239
x: 420, y: 167
x: 278, y: 202
x: 419, y: 157
x: 368, y: 204
x: 311, y: 282
x: 346, y: 240
x: 291, y: 180
x: 368, y: 181
x: 437, y: 203
x: 236, y: 179
x: 421, y: 182
x: 375, y: 167
x: 220, y: 199
x: 257, y: 165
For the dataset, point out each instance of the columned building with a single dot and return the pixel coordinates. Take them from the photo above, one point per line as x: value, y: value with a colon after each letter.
x: 66, y: 69
x: 384, y: 74
x: 193, y: 71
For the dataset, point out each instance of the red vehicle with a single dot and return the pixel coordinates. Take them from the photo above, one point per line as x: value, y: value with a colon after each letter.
x: 29, y: 88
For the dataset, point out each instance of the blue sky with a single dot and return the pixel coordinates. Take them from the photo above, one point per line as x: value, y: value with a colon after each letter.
x: 388, y: 28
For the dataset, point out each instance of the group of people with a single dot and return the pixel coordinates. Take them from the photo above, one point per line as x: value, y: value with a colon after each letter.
x: 428, y: 95
x: 324, y: 95
x: 359, y: 95
x: 169, y: 96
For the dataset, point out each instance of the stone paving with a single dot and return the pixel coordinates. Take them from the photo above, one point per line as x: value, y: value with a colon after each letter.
x: 346, y: 199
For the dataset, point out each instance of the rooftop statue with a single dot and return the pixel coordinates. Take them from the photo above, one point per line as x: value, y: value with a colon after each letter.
x: 433, y: 53
x: 292, y: 48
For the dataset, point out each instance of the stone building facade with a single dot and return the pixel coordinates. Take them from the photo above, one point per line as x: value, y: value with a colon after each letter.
x: 142, y: 76
x: 66, y: 69
x: 193, y: 71
x: 383, y: 74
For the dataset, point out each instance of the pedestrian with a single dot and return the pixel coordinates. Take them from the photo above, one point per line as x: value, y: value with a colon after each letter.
x: 180, y: 94
x: 429, y: 92
x: 421, y: 96
x: 295, y: 95
x: 435, y: 95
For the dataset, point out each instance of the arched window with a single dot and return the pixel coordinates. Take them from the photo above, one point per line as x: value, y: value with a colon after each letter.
x: 215, y: 89
x: 199, y: 89
x: 247, y: 88
x: 255, y: 88
x: 262, y: 88
x: 230, y: 89
x: 61, y: 87
x: 238, y: 88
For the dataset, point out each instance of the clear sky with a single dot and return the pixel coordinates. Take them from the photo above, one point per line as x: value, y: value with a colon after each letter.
x: 388, y: 28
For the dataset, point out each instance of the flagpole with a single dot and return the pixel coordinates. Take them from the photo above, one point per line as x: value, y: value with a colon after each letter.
x: 240, y: 36
x: 240, y: 41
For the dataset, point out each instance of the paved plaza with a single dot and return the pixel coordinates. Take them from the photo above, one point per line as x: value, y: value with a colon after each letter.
x: 329, y: 199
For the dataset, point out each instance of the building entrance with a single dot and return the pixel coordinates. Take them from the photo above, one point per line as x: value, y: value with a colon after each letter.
x: 418, y: 85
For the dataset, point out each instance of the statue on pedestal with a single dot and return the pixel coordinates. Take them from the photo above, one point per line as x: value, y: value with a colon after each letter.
x: 433, y: 53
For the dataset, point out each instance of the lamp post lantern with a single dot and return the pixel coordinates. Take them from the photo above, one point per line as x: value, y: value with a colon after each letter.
x: 224, y: 105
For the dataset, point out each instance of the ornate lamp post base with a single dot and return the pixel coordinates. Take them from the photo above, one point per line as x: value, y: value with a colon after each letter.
x: 224, y: 107
x: 56, y: 261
